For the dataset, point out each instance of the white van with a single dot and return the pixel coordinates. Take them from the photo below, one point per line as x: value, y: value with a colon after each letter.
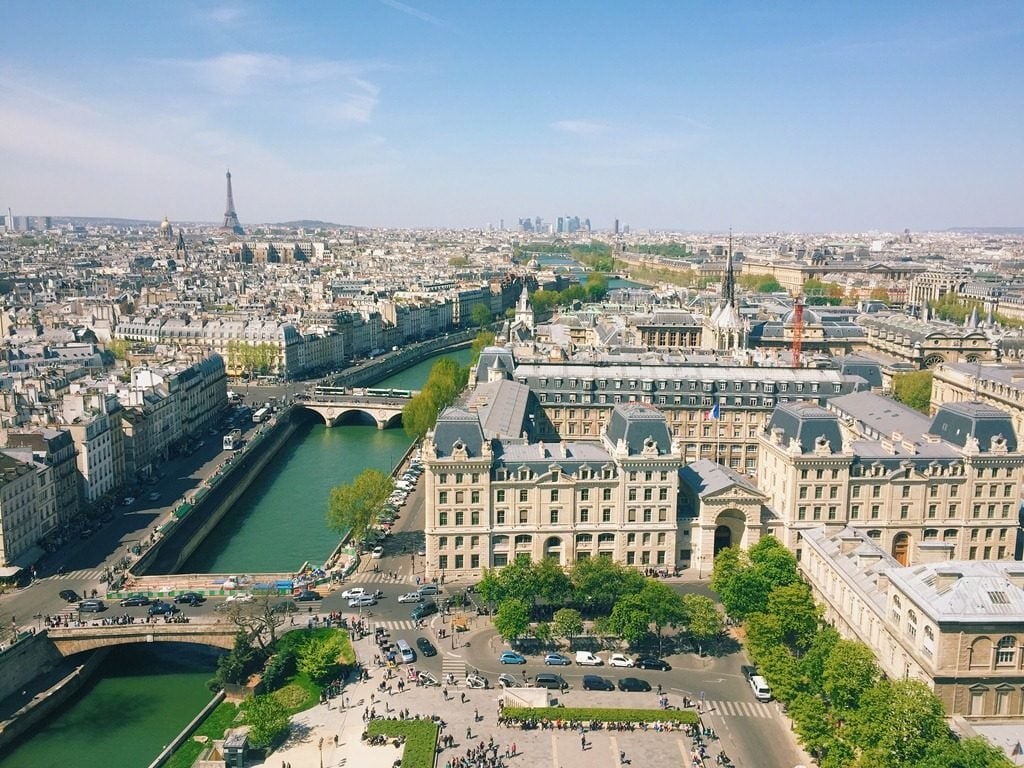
x: 587, y: 659
x: 407, y: 654
x: 760, y: 688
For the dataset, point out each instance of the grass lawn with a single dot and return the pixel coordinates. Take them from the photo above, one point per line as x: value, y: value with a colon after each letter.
x: 420, y: 739
x: 222, y: 718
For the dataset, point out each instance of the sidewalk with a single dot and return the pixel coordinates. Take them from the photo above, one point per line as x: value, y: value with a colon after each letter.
x: 533, y: 749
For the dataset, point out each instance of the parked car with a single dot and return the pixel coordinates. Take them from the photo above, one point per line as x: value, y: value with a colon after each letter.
x: 160, y: 608
x: 69, y: 596
x: 597, y: 683
x: 649, y: 662
x: 429, y: 589
x: 308, y: 595
x: 552, y: 681
x: 633, y: 684
x: 426, y: 647
x: 505, y: 680
x: 363, y: 601
x: 351, y: 592
x: 511, y: 657
x: 477, y: 681
x: 557, y: 659
x: 410, y: 597
x: 619, y: 660
x: 377, y: 553
x: 135, y: 599
x: 192, y: 598
x: 91, y: 606
x: 239, y: 597
x: 748, y: 671
x: 588, y: 659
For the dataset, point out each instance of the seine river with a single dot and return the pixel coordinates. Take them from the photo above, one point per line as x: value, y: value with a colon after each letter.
x: 144, y: 696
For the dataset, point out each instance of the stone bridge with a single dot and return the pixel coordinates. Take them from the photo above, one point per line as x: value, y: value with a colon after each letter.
x: 386, y: 411
x: 72, y: 640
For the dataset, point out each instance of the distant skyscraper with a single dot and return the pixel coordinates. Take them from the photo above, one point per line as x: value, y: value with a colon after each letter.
x: 616, y: 226
x: 230, y: 217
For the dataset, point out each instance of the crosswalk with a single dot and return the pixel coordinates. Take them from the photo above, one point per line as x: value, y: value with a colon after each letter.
x: 737, y: 709
x: 85, y: 574
x: 384, y: 577
x: 396, y: 625
x: 454, y: 666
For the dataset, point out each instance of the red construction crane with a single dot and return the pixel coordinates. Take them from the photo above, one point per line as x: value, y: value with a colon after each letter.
x: 798, y: 328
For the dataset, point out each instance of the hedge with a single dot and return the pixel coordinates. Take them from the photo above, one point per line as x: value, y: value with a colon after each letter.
x: 684, y: 716
x: 420, y: 739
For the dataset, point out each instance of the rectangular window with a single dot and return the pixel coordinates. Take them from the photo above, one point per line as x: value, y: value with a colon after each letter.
x: 442, y: 497
x: 632, y: 494
x: 474, y: 517
x: 474, y: 497
x: 523, y: 516
x: 442, y: 562
x: 458, y: 478
x: 474, y: 561
x: 554, y: 494
x: 524, y: 495
x: 648, y: 494
x: 606, y: 515
x: 585, y: 494
x: 554, y: 516
x: 606, y: 494
x: 648, y: 515
x: 442, y: 518
x: 442, y: 478
x: 459, y: 560
x: 460, y: 517
x: 460, y: 497
x: 584, y: 515
x: 499, y: 517
x: 476, y: 477
x: 500, y: 496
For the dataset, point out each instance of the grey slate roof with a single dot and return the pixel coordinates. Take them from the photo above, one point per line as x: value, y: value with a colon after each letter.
x: 491, y: 356
x: 982, y: 591
x: 806, y: 422
x: 955, y: 422
x: 456, y: 425
x: 705, y: 477
x: 635, y: 423
x: 540, y: 457
x: 502, y: 406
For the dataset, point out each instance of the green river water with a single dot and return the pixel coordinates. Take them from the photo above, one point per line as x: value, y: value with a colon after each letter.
x: 143, y: 696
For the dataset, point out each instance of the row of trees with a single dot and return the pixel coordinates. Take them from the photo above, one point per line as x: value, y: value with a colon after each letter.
x: 251, y: 358
x: 354, y: 506
x: 759, y: 283
x: 620, y: 600
x: 593, y: 289
x: 845, y: 711
x: 446, y: 380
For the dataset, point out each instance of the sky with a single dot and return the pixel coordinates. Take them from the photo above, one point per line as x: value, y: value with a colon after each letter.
x: 672, y: 115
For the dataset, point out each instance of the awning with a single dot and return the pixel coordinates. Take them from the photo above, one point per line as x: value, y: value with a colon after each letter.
x: 28, y: 557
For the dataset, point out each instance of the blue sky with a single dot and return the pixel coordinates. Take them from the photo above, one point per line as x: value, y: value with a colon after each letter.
x: 814, y: 117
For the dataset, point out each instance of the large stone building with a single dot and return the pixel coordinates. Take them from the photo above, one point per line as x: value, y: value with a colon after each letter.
x: 956, y: 625
x: 491, y: 499
x: 910, y: 481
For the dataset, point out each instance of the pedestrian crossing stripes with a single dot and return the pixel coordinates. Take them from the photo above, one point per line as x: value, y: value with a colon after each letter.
x: 398, y: 624
x: 737, y: 709
x: 380, y: 578
x: 451, y: 665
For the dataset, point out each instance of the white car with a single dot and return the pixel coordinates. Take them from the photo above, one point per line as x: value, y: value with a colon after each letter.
x: 410, y: 597
x: 619, y: 660
x: 378, y: 552
x: 362, y: 601
x: 353, y: 592
x: 239, y: 597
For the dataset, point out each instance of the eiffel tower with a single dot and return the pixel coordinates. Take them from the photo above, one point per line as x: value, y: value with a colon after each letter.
x: 230, y: 217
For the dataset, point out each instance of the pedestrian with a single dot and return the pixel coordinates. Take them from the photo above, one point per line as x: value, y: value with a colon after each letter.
x: 444, y: 692
x: 513, y: 749
x: 476, y: 715
x: 462, y: 694
x: 469, y: 732
x: 583, y: 743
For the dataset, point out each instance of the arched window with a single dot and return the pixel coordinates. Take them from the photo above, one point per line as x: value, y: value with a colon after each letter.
x: 1006, y: 650
x: 912, y: 624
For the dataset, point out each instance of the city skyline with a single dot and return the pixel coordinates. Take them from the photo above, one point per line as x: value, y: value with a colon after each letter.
x: 427, y: 114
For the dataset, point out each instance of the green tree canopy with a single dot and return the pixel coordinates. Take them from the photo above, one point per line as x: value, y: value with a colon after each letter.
x: 703, y: 619
x: 599, y: 583
x: 568, y: 624
x: 483, y: 339
x: 444, y: 383
x: 913, y: 389
x: 480, y: 315
x: 319, y: 657
x: 630, y: 618
x: 850, y: 670
x: 267, y: 719
x: 798, y: 615
x: 897, y: 722
x: 354, y: 506
x: 512, y: 618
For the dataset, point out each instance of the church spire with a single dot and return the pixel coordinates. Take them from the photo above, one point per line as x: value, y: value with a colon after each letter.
x: 729, y: 283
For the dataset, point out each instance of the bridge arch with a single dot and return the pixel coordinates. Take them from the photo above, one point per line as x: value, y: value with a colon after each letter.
x: 73, y: 640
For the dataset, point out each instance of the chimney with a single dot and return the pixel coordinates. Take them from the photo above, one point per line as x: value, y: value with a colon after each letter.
x: 848, y: 543
x: 882, y: 582
x: 933, y: 552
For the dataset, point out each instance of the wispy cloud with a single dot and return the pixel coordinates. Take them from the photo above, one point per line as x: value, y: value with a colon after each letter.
x: 416, y: 13
x: 580, y: 127
x: 225, y: 14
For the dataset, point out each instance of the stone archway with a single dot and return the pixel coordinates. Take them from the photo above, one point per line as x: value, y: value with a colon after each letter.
x: 723, y: 538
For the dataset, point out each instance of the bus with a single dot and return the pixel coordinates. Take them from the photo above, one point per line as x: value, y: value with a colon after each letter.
x: 233, y: 440
x: 260, y: 415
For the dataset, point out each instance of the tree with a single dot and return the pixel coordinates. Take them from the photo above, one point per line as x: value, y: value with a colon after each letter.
x: 664, y: 606
x: 258, y: 620
x: 551, y: 582
x: 419, y: 415
x: 703, y: 620
x: 745, y: 593
x: 480, y: 315
x: 880, y: 294
x: 897, y: 722
x: 798, y: 614
x: 850, y: 670
x: 974, y: 752
x: 728, y: 562
x: 512, y: 618
x: 599, y: 583
x: 630, y: 619
x: 458, y: 261
x: 596, y: 286
x: 518, y: 580
x: 913, y: 389
x: 483, y: 339
x: 234, y: 666
x: 118, y: 348
x: 543, y: 301
x: 812, y: 724
x: 267, y: 719
x: 318, y: 657
x: 568, y: 624
x: 354, y: 506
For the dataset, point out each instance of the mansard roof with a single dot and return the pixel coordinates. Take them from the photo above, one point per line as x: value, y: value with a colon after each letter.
x: 635, y: 424
x: 807, y: 423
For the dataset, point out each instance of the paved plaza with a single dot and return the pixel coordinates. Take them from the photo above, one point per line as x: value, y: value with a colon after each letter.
x: 330, y: 734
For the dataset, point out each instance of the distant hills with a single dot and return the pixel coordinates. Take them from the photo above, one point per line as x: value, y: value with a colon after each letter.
x: 988, y: 230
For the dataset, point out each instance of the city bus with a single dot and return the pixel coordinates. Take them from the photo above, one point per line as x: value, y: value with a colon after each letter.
x: 260, y: 415
x: 233, y: 440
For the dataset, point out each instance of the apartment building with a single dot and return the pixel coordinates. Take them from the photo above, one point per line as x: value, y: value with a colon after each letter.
x: 20, y: 522
x: 910, y: 481
x: 956, y: 625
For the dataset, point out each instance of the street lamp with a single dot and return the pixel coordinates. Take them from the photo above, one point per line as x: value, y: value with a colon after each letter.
x: 321, y: 745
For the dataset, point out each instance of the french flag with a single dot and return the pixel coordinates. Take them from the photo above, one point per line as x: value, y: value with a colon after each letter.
x: 714, y: 413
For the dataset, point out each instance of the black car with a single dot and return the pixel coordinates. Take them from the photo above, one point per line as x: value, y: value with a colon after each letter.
x: 136, y: 599
x: 426, y: 647
x: 423, y: 610
x: 69, y: 596
x: 649, y: 662
x: 633, y: 684
x: 597, y: 683
x: 189, y: 598
x: 160, y: 608
x: 308, y: 595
